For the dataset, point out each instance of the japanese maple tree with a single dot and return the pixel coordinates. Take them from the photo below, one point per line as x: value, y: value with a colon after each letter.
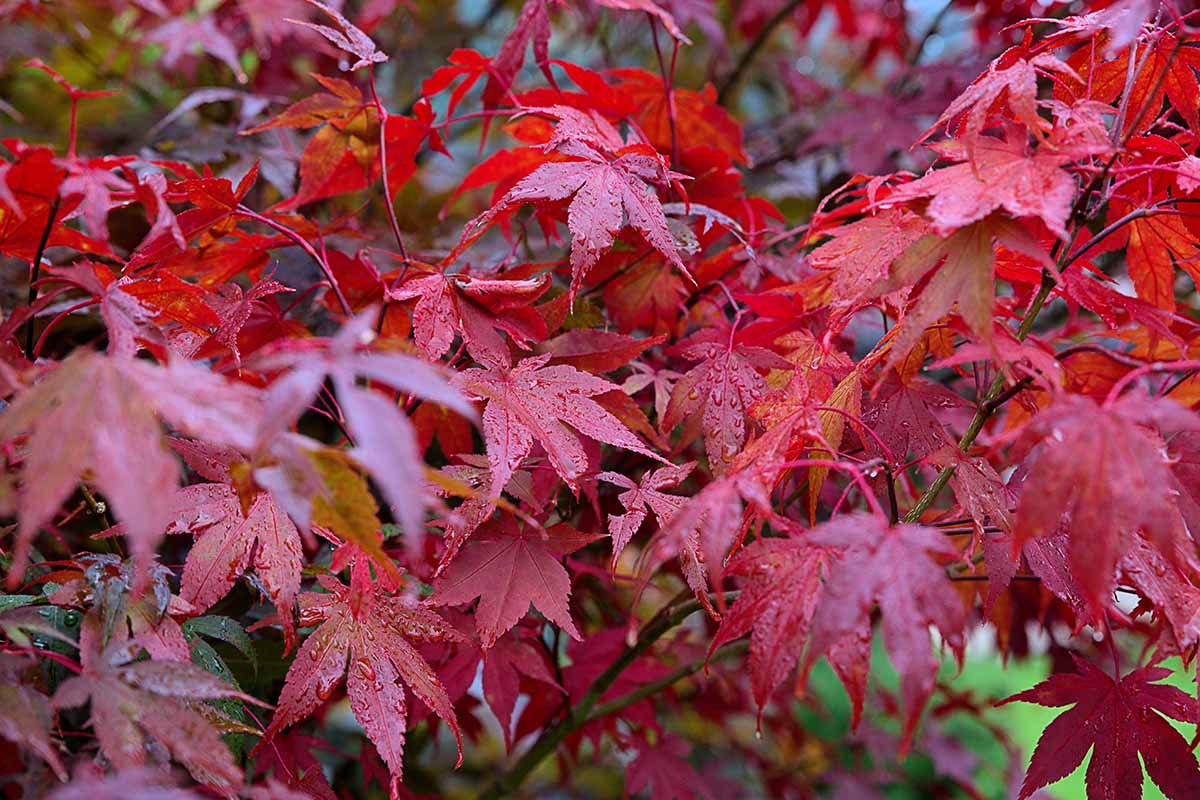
x: 658, y: 398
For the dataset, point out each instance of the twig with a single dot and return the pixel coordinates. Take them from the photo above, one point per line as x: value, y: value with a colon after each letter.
x: 764, y: 33
x: 652, y: 688
x: 667, y: 618
x: 35, y: 271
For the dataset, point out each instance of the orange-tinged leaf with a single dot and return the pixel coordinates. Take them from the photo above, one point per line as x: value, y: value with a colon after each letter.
x: 349, y: 509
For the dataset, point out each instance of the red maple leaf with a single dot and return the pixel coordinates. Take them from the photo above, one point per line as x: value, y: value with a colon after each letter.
x: 698, y: 119
x: 229, y: 543
x: 1098, y: 472
x: 31, y: 185
x: 1118, y: 721
x: 860, y: 252
x: 134, y: 703
x: 1010, y: 83
x: 664, y: 769
x: 992, y: 174
x: 215, y: 202
x: 891, y: 566
x: 604, y: 192
x: 95, y: 417
x: 535, y: 402
x: 345, y: 36
x: 719, y: 390
x: 25, y: 715
x: 371, y: 630
x: 504, y: 664
x: 476, y: 309
x: 776, y: 606
x: 385, y: 442
x: 509, y: 567
x: 640, y: 498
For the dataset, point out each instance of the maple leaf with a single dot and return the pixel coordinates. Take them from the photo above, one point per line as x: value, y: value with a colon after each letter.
x: 1117, y: 720
x: 135, y: 783
x: 371, y: 630
x: 892, y: 566
x: 989, y: 174
x: 235, y: 307
x: 510, y: 567
x: 93, y: 182
x: 1104, y: 476
x: 532, y: 25
x: 476, y: 309
x: 639, y: 499
x: 1154, y: 244
x: 385, y: 443
x: 1165, y: 70
x: 1121, y: 22
x: 215, y: 202
x: 719, y: 390
x: 604, y: 192
x: 343, y: 155
x: 97, y: 417
x: 180, y: 35
x: 503, y: 665
x: 1166, y: 586
x: 531, y: 402
x: 1115, y: 308
x: 978, y: 488
x: 702, y: 532
x: 647, y: 294
x: 25, y: 715
x: 345, y: 36
x: 664, y: 769
x: 776, y: 606
x: 1010, y: 80
x: 903, y: 415
x: 134, y: 703
x: 698, y: 119
x: 596, y: 351
x: 860, y: 252
x: 33, y: 182
x: 961, y: 269
x: 228, y: 543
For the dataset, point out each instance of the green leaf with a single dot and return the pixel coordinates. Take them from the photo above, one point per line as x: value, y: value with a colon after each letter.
x: 223, y: 629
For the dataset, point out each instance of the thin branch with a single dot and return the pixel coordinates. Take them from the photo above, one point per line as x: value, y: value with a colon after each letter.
x: 986, y: 408
x: 764, y: 34
x: 35, y: 271
x: 654, y: 687
x: 679, y: 609
x: 382, y: 113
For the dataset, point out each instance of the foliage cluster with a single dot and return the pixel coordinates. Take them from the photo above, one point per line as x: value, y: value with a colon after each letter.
x: 404, y: 399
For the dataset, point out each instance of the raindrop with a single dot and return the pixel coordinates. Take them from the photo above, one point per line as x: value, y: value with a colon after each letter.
x: 365, y: 669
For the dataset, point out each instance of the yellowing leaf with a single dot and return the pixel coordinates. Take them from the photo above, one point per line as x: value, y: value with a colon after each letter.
x: 349, y: 509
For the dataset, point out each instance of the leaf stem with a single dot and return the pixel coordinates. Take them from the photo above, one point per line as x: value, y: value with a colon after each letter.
x: 302, y: 243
